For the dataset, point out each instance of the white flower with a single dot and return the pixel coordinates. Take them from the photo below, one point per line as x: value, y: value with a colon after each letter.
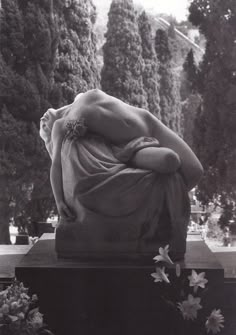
x: 24, y: 296
x: 21, y: 315
x: 13, y: 318
x: 14, y: 305
x: 160, y: 275
x: 190, y: 307
x: 214, y: 322
x: 34, y: 297
x: 3, y: 295
x: 197, y: 280
x: 5, y: 309
x: 163, y: 255
x: 37, y: 320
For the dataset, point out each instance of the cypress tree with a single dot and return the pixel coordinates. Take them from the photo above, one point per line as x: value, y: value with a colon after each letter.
x: 171, y: 31
x: 169, y: 91
x: 76, y: 68
x: 123, y: 63
x: 30, y: 63
x: 190, y: 76
x: 215, y: 137
x: 150, y: 72
x: 28, y: 39
x: 191, y: 99
x: 190, y: 111
x: 28, y: 36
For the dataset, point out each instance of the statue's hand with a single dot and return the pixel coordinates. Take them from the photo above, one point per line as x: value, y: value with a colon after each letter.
x: 65, y: 212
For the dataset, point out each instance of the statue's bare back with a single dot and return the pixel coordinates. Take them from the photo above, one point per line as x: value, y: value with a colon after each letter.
x: 110, y: 117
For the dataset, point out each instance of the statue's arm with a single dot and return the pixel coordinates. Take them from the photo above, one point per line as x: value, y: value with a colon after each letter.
x: 160, y: 160
x: 101, y: 107
x: 174, y: 149
x: 190, y: 167
x: 56, y: 170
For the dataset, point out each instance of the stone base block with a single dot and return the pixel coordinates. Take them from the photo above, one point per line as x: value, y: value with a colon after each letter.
x: 111, y: 242
x: 108, y: 296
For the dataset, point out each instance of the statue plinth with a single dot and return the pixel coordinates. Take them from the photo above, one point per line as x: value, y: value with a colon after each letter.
x: 108, y: 297
x: 103, y: 240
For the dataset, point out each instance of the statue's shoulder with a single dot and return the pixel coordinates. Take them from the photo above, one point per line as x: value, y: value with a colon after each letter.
x: 93, y: 96
x: 59, y: 128
x: 95, y: 93
x: 60, y: 123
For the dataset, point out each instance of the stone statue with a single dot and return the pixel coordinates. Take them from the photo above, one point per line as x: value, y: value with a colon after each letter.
x: 120, y: 179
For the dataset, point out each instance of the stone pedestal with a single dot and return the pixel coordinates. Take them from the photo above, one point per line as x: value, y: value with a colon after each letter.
x: 107, y: 297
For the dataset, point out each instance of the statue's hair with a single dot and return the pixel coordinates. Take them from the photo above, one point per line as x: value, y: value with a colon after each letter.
x: 55, y: 114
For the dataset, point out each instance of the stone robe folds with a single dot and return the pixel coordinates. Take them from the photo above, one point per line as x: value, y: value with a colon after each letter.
x: 121, y: 210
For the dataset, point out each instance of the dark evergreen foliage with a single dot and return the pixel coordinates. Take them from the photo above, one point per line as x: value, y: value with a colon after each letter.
x: 123, y: 63
x: 28, y: 35
x: 191, y: 99
x: 169, y: 91
x: 35, y: 73
x: 215, y: 130
x: 76, y: 68
x: 171, y: 30
x: 150, y: 71
x: 26, y: 66
x: 190, y: 111
x: 189, y: 83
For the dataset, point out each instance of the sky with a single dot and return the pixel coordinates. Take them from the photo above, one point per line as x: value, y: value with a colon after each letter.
x: 177, y: 8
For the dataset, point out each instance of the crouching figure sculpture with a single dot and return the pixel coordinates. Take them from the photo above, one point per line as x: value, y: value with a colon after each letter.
x: 120, y: 179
